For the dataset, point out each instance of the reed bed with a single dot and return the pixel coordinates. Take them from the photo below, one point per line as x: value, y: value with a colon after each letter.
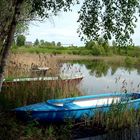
x: 117, y: 118
x: 27, y: 92
x: 20, y: 65
x: 117, y: 123
x: 24, y: 62
x: 24, y: 93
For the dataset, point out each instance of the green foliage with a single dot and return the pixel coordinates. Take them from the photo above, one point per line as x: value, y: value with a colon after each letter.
x: 99, y: 47
x: 90, y: 44
x: 53, y: 43
x: 45, y: 8
x: 138, y: 61
x: 129, y: 61
x: 108, y: 19
x: 56, y: 52
x: 49, y: 44
x: 133, y: 51
x: 20, y: 40
x: 98, y: 68
x: 41, y: 42
x: 59, y: 44
x: 98, y: 51
x: 21, y: 28
x: 6, y: 12
x: 85, y: 52
x: 36, y: 43
x: 95, y: 50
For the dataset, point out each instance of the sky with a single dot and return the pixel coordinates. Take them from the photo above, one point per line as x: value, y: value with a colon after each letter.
x: 63, y: 28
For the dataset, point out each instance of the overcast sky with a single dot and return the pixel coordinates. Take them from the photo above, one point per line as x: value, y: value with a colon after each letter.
x: 63, y: 28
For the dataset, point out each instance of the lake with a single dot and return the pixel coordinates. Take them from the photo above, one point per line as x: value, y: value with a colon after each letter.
x: 101, y: 77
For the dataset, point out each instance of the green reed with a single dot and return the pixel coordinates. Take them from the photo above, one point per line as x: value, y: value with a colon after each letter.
x: 27, y: 92
x: 117, y: 116
x: 24, y: 93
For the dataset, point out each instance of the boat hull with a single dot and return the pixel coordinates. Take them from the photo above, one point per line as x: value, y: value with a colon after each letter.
x: 53, y: 111
x: 41, y: 80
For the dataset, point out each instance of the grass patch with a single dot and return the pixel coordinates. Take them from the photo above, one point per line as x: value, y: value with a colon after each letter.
x: 117, y: 118
x: 95, y: 51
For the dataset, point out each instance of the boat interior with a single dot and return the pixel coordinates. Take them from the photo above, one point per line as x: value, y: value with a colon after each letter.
x: 100, y: 101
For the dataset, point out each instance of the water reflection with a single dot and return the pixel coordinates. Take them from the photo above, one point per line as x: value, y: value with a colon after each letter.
x: 100, y: 76
x: 97, y: 68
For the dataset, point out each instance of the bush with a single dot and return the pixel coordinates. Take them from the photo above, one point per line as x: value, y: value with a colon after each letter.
x: 85, y: 52
x: 76, y: 52
x: 138, y: 60
x: 129, y: 61
x: 56, y: 52
x: 21, y: 40
x: 98, y: 51
x: 90, y: 44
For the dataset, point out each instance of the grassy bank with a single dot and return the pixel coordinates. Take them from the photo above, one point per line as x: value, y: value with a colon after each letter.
x: 53, y: 50
x: 93, y: 51
x: 116, y: 120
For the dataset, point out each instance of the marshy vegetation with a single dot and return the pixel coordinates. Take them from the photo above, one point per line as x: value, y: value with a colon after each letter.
x: 115, y: 120
x: 119, y: 26
x: 107, y: 125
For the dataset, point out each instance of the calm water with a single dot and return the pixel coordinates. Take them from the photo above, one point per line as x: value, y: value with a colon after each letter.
x: 100, y: 77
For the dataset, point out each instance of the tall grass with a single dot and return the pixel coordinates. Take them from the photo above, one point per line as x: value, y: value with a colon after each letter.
x: 117, y: 118
x: 29, y: 92
x: 25, y: 93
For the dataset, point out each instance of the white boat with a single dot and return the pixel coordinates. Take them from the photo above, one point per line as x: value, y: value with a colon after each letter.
x: 61, y: 78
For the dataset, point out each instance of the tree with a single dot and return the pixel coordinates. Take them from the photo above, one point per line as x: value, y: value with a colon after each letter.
x: 108, y: 19
x: 59, y: 44
x: 12, y: 12
x: 21, y: 28
x: 21, y: 40
x: 48, y: 44
x: 36, y: 43
x: 101, y: 41
x: 42, y: 42
x: 7, y: 30
x: 53, y: 43
x: 90, y: 44
x: 114, y: 43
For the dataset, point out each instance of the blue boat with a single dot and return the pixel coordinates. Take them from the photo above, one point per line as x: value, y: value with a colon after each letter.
x: 58, y: 110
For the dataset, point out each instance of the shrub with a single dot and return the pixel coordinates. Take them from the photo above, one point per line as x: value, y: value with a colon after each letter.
x: 21, y: 40
x: 85, y: 52
x: 76, y: 52
x: 90, y: 44
x: 98, y: 51
x: 129, y: 61
x: 56, y: 52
